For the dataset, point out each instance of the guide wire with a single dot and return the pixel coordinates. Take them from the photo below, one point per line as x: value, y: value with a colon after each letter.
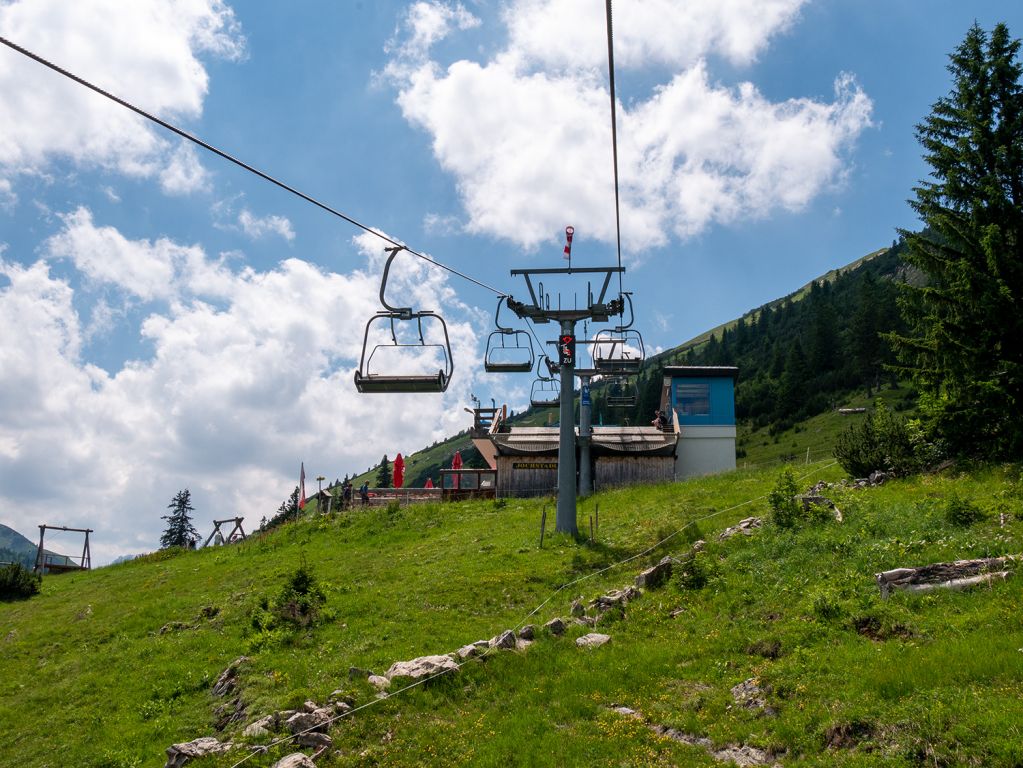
x: 422, y: 681
x: 220, y: 153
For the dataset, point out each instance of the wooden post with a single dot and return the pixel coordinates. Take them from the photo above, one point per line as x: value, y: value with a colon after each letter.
x: 596, y: 512
x: 543, y: 525
x: 591, y: 527
x: 39, y: 552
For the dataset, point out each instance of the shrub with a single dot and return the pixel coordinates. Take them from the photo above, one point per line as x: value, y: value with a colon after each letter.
x: 694, y: 571
x: 962, y: 512
x: 297, y: 605
x: 18, y: 583
x: 785, y: 510
x: 881, y: 443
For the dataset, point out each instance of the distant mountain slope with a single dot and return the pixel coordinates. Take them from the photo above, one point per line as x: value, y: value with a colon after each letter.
x: 16, y: 548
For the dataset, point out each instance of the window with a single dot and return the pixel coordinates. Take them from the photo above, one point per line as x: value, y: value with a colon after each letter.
x: 693, y: 399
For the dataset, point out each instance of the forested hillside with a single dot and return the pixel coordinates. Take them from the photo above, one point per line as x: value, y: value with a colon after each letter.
x: 797, y: 356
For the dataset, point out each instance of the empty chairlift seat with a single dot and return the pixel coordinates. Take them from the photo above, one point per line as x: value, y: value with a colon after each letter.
x: 508, y: 350
x: 414, y: 353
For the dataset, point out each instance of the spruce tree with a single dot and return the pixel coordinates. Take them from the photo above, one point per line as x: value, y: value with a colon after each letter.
x: 384, y: 473
x: 965, y: 343
x: 180, y: 531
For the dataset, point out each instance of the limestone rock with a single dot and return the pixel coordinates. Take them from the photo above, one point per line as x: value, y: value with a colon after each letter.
x: 746, y: 527
x: 527, y: 632
x: 306, y: 721
x: 592, y: 640
x: 749, y: 695
x: 261, y: 727
x: 555, y: 626
x: 379, y: 682
x: 616, y: 598
x: 179, y: 754
x: 424, y: 666
x: 577, y: 608
x: 656, y: 575
x: 504, y: 640
x: 295, y: 760
x: 314, y: 740
x: 472, y: 650
x: 228, y: 680
x: 310, y: 706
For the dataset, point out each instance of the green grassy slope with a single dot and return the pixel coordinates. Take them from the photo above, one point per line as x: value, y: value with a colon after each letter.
x: 96, y: 671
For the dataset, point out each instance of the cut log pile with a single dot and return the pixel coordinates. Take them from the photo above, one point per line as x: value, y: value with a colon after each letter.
x: 960, y: 574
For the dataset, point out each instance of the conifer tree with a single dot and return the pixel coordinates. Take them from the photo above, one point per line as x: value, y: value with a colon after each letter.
x: 180, y: 531
x: 965, y: 343
x: 384, y: 473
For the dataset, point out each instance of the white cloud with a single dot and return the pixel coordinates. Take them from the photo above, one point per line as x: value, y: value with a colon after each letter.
x: 230, y: 400
x: 7, y: 196
x: 184, y: 173
x: 145, y: 52
x: 258, y: 227
x: 526, y: 133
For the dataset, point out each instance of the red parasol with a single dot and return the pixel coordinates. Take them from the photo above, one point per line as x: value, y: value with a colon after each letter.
x: 429, y: 483
x: 399, y: 471
x: 456, y: 463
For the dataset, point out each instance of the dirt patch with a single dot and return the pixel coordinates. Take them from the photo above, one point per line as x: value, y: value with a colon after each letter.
x: 875, y: 629
x: 848, y: 735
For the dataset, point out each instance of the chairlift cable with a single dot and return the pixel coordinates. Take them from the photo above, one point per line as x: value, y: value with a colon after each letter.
x: 266, y: 177
x: 614, y: 137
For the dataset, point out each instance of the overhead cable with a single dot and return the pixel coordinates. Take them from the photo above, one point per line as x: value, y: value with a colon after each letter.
x: 266, y: 177
x: 614, y: 136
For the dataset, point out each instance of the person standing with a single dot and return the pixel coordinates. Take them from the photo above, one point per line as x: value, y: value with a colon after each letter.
x: 364, y: 493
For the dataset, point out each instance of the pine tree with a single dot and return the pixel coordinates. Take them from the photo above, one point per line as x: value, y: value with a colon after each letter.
x: 384, y: 473
x: 180, y: 531
x: 965, y: 344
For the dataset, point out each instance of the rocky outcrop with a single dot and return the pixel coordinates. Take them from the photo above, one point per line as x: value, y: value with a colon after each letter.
x: 746, y: 527
x: 424, y: 666
x: 592, y: 640
x: 295, y: 760
x: 179, y: 754
x: 656, y: 575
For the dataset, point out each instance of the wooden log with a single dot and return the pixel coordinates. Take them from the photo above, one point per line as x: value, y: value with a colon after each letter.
x: 956, y: 575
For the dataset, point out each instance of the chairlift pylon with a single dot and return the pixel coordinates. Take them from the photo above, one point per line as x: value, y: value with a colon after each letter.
x: 546, y: 390
x: 368, y: 380
x: 506, y: 352
x: 619, y: 350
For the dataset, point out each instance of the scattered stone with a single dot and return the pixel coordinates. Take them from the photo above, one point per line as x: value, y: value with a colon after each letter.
x: 208, y: 612
x: 504, y: 640
x: 424, y: 666
x: 314, y: 740
x: 174, y: 626
x: 308, y: 721
x: 295, y: 760
x: 577, y: 608
x: 228, y: 680
x: 527, y: 632
x: 179, y: 754
x: 310, y: 706
x: 261, y: 727
x: 341, y: 698
x: 555, y: 626
x: 521, y: 645
x: 584, y: 621
x: 472, y: 650
x: 379, y: 682
x: 355, y: 673
x: 626, y: 712
x: 616, y: 598
x: 656, y: 575
x: 737, y: 754
x: 746, y: 527
x: 698, y: 545
x: 749, y: 695
x: 676, y: 613
x: 592, y: 640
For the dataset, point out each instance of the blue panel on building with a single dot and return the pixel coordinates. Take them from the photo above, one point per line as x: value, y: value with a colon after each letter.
x: 703, y: 396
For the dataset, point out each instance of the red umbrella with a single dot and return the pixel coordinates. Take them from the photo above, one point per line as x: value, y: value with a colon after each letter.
x: 429, y: 483
x: 456, y: 463
x: 399, y: 471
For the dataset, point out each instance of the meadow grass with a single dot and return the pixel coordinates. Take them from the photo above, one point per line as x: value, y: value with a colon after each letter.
x: 110, y: 667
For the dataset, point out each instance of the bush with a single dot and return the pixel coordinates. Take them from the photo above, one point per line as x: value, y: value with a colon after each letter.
x: 694, y: 571
x: 786, y: 512
x: 962, y: 512
x: 882, y: 443
x: 18, y: 583
x: 296, y: 606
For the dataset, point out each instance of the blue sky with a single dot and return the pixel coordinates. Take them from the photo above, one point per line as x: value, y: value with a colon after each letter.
x: 168, y: 320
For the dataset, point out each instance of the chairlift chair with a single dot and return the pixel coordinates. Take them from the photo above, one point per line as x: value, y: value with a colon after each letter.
x: 508, y: 350
x: 546, y: 390
x: 619, y: 350
x: 621, y: 392
x: 369, y: 380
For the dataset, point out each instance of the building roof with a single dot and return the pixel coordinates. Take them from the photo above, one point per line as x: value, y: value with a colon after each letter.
x: 648, y: 441
x: 701, y: 371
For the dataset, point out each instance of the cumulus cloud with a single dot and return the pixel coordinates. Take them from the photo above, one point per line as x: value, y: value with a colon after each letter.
x: 147, y: 52
x: 526, y: 133
x: 235, y: 393
x: 258, y: 227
